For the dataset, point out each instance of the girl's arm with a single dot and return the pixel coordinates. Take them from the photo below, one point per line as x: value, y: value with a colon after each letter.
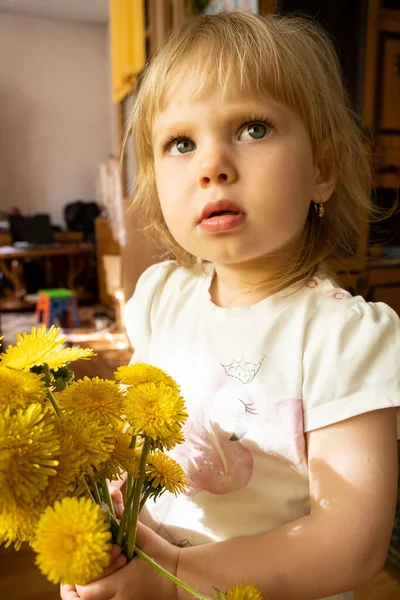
x: 340, y: 545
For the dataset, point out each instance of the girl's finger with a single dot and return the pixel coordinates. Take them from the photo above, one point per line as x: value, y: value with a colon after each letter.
x: 118, y: 562
x: 117, y: 500
x: 114, y: 552
x: 68, y: 592
x: 101, y: 589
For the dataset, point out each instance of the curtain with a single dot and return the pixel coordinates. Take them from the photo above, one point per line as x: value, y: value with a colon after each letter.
x: 127, y: 39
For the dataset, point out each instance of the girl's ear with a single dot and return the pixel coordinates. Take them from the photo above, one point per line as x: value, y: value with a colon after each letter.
x: 326, y: 174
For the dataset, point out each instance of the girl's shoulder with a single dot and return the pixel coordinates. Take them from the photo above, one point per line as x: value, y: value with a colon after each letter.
x: 329, y: 300
x: 350, y: 358
x: 160, y: 283
x: 163, y: 283
x: 336, y: 319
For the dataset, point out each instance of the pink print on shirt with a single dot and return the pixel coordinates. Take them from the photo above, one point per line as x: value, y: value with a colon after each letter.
x: 212, y: 462
x: 217, y: 455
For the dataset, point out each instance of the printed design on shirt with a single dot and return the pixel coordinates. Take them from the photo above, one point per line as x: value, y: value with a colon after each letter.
x: 312, y: 283
x: 247, y: 413
x: 211, y: 461
x: 283, y: 429
x: 216, y: 465
x: 339, y: 295
x: 218, y: 458
x: 248, y: 407
x: 243, y: 370
x: 242, y: 419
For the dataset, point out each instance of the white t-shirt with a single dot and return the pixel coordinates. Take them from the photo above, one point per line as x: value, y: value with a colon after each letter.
x: 255, y: 379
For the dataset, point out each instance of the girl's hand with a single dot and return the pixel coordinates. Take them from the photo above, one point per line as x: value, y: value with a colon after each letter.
x: 136, y: 580
x: 117, y: 500
x: 117, y: 560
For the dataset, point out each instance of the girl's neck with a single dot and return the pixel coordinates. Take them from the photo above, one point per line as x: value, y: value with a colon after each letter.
x: 243, y: 285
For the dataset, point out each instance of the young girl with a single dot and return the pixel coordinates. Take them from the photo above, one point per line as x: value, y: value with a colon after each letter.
x: 252, y: 172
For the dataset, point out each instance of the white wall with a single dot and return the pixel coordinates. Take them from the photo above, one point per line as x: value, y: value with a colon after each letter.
x: 54, y: 112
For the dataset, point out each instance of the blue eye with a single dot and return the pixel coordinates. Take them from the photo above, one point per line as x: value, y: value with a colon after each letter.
x: 181, y: 146
x: 254, y: 131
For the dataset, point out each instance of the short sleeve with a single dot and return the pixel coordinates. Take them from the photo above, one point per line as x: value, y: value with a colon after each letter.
x: 140, y: 308
x: 351, y: 364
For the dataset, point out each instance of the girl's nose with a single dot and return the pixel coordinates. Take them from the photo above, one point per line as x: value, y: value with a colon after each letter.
x: 216, y: 171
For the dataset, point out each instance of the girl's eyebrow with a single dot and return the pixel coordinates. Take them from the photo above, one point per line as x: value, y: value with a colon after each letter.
x: 234, y: 114
x: 170, y: 128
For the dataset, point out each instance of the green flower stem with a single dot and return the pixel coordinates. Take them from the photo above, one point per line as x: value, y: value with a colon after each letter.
x: 114, y: 527
x: 52, y: 399
x: 89, y: 491
x: 125, y: 517
x: 129, y: 485
x: 107, y: 497
x: 145, y: 496
x: 96, y: 492
x: 130, y: 478
x: 114, y: 524
x: 171, y: 577
x: 114, y: 520
x: 131, y: 535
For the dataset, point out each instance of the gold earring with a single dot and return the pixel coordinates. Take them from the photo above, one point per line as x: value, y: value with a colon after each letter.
x: 319, y: 207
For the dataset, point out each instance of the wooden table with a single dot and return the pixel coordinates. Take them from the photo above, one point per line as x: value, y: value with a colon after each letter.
x: 11, y: 264
x: 59, y: 236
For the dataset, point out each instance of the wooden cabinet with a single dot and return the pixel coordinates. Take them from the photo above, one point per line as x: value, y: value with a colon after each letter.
x: 382, y: 116
x: 384, y: 93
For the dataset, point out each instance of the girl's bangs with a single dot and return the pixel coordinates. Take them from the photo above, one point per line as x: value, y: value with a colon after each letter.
x: 209, y: 63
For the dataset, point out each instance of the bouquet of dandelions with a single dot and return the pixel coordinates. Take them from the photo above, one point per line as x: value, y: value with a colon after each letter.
x: 60, y: 441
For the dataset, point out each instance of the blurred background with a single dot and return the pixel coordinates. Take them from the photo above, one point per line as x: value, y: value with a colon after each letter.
x: 70, y: 249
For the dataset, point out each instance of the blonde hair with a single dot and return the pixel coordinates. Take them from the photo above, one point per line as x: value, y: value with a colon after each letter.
x: 291, y: 59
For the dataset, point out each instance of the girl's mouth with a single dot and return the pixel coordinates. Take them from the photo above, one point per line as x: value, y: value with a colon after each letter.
x: 219, y: 221
x: 220, y: 208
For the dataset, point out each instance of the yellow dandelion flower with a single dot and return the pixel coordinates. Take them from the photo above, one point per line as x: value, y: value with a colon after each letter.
x: 101, y: 398
x: 32, y: 349
x: 39, y: 347
x: 93, y: 441
x: 155, y: 411
x: 19, y: 388
x: 29, y: 448
x: 123, y: 459
x: 244, y: 592
x: 64, y: 356
x: 171, y: 440
x: 18, y: 525
x: 139, y: 373
x: 72, y: 541
x: 165, y: 472
x: 68, y: 470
